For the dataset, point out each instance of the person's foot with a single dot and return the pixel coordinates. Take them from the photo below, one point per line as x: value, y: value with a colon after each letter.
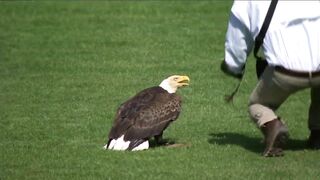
x: 276, y: 135
x: 314, y: 139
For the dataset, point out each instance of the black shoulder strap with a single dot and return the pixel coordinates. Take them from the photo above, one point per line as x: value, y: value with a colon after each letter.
x: 264, y: 28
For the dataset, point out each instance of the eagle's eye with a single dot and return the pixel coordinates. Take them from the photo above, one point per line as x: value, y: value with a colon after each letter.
x: 176, y: 78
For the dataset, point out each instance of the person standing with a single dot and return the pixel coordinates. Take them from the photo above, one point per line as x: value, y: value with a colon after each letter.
x: 292, y: 49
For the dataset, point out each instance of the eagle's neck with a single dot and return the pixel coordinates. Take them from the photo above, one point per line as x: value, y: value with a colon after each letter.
x: 166, y: 86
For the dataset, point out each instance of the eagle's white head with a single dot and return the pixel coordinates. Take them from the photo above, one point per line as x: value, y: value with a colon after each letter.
x: 172, y: 83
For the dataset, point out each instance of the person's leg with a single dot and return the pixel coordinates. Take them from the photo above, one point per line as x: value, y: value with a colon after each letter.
x: 314, y: 110
x: 267, y: 97
x: 271, y: 91
x: 314, y: 119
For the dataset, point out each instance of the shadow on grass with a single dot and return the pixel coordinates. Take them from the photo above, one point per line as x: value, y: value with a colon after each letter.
x: 164, y: 142
x: 253, y: 144
x: 168, y: 143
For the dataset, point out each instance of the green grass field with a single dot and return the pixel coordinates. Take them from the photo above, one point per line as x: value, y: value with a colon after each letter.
x: 65, y: 67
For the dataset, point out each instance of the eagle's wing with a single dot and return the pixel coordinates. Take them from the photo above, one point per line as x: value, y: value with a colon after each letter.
x: 154, y: 119
x: 145, y: 115
x: 127, y: 111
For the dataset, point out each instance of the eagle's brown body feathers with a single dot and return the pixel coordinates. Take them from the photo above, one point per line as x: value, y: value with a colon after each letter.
x: 146, y: 115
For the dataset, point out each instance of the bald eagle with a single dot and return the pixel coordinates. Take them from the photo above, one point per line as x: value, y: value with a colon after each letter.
x: 146, y: 115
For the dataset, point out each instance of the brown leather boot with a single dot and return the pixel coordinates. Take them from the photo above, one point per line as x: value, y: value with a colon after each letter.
x: 276, y: 135
x: 314, y: 139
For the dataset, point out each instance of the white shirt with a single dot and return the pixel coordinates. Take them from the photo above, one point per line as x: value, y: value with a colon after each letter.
x: 292, y: 40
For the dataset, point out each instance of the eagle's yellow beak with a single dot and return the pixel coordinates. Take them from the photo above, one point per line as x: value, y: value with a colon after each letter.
x: 183, y: 80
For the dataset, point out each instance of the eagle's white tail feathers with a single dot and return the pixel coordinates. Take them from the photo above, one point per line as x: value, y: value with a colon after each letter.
x: 142, y: 146
x: 111, y: 145
x: 120, y: 144
x: 105, y: 147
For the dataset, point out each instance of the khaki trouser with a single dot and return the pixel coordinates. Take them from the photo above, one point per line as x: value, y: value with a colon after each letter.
x: 274, y: 88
